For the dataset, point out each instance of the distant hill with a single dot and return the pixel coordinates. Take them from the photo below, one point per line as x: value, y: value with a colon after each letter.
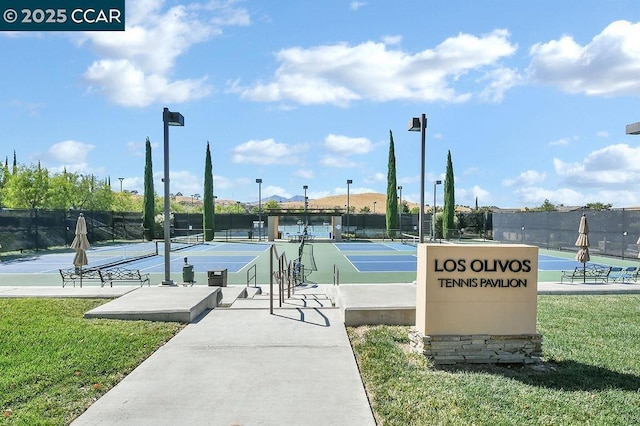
x: 358, y: 201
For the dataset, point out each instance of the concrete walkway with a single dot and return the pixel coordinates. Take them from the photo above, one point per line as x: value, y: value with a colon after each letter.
x: 238, y: 365
x: 243, y: 366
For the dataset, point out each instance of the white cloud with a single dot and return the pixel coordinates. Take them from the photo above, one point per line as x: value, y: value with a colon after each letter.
x: 355, y: 5
x: 125, y: 84
x: 71, y: 156
x: 136, y: 65
x: 138, y: 148
x: 468, y: 196
x: 526, y: 178
x: 182, y: 181
x: 377, y: 178
x: 603, y: 134
x: 270, y: 190
x: 559, y: 142
x: 347, y: 146
x: 265, y: 151
x: 70, y: 152
x: 341, y: 73
x: 614, y: 165
x: 500, y: 80
x: 535, y: 196
x: 304, y: 173
x: 608, y: 66
x: 391, y: 40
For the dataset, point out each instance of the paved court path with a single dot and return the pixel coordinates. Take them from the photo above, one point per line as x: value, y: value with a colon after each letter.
x: 245, y: 367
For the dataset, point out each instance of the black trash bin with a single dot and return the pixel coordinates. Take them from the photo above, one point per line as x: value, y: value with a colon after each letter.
x: 187, y: 272
x: 217, y: 277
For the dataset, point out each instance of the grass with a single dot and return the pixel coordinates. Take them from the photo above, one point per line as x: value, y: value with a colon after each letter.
x: 590, y: 372
x: 54, y: 363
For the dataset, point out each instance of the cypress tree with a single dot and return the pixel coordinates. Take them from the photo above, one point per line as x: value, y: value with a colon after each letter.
x: 392, y: 190
x: 207, y: 212
x: 448, y: 212
x: 149, y: 208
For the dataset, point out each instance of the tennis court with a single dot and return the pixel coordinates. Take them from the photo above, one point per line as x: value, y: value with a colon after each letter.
x: 379, y: 259
x: 148, y: 257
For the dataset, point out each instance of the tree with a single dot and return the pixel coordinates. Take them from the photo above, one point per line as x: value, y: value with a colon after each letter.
x: 392, y: 189
x: 449, y: 209
x: 598, y: 206
x: 27, y: 188
x: 547, y: 206
x: 272, y: 205
x: 148, y: 212
x: 207, y: 211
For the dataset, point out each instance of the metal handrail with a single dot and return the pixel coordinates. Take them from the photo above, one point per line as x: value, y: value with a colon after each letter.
x: 336, y: 275
x: 254, y: 276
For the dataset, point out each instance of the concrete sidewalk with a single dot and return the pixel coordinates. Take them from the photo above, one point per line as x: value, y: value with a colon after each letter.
x: 245, y: 367
x: 239, y: 365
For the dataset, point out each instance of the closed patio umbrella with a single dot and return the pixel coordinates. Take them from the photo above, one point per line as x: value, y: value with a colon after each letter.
x: 583, y: 245
x: 80, y: 244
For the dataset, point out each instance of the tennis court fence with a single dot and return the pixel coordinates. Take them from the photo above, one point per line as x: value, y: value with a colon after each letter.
x: 611, y: 232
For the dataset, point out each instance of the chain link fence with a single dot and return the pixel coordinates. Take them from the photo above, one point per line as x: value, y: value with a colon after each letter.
x: 611, y: 232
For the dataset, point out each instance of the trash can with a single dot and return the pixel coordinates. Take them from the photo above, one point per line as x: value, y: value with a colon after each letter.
x: 187, y: 272
x: 217, y: 277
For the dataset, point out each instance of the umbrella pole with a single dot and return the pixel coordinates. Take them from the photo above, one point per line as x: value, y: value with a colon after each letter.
x: 81, y: 277
x: 584, y: 273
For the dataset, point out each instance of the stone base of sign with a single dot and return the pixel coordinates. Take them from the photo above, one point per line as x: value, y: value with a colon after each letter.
x: 478, y: 348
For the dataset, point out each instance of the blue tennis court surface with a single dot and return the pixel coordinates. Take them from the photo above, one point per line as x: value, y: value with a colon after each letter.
x: 200, y: 263
x: 388, y: 263
x: 554, y: 263
x: 227, y: 247
x: 374, y: 246
x: 375, y: 262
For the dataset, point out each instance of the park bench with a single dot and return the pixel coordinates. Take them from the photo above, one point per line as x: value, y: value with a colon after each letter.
x: 123, y: 275
x: 73, y: 275
x: 592, y: 273
x: 629, y: 274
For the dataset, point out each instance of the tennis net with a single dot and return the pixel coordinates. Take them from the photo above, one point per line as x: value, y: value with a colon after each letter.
x: 107, y: 256
x: 409, y: 239
x: 186, y: 241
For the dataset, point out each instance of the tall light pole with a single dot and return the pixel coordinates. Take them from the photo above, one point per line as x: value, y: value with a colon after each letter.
x: 349, y: 182
x: 400, y: 210
x: 306, y: 218
x: 259, y: 182
x: 374, y: 207
x: 420, y: 124
x: 433, y: 217
x: 213, y: 231
x: 120, y: 179
x: 169, y: 119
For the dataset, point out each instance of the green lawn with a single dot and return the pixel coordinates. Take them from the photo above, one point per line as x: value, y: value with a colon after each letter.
x: 590, y: 373
x: 54, y: 363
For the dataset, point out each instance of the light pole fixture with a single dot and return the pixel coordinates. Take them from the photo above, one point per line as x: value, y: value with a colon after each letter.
x: 120, y: 179
x: 374, y: 207
x: 433, y: 217
x: 400, y: 210
x: 169, y: 118
x: 415, y: 125
x: 259, y: 182
x: 349, y: 182
x: 633, y: 128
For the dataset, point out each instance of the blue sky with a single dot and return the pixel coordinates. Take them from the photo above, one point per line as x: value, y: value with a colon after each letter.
x: 531, y: 98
